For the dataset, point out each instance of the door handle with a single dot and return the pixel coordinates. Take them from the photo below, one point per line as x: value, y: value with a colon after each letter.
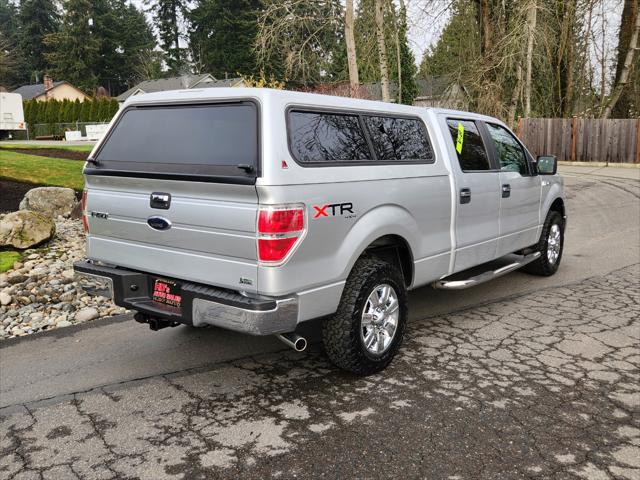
x: 465, y: 195
x: 160, y: 200
x: 506, y: 190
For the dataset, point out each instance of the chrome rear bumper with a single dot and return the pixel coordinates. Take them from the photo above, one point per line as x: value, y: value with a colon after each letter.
x: 201, y: 304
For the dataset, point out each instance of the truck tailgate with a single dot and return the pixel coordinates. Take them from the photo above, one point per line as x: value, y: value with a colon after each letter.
x: 211, y: 238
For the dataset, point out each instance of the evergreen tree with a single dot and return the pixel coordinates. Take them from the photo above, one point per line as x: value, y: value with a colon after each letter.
x: 103, y: 110
x: 408, y: 69
x: 37, y: 20
x: 62, y: 110
x: 68, y: 112
x: 113, y: 108
x: 85, y: 111
x: 34, y: 112
x: 26, y: 108
x: 222, y: 36
x: 167, y: 15
x: 75, y: 47
x: 9, y: 60
x: 77, y: 111
x: 458, y: 46
x: 123, y: 33
x: 52, y: 111
x: 93, y: 110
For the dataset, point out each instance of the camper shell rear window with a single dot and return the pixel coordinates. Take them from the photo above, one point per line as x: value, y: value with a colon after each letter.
x: 210, y: 142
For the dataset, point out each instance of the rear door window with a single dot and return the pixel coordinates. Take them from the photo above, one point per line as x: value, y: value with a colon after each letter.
x: 399, y: 139
x: 469, y: 146
x: 318, y: 137
x: 186, y: 139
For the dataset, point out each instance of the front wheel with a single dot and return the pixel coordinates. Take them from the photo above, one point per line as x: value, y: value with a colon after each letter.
x: 550, y: 246
x: 365, y: 333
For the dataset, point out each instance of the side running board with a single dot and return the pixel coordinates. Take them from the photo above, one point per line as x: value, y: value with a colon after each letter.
x: 485, y: 276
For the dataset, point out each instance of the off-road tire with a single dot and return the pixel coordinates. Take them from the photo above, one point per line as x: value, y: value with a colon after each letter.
x: 541, y: 266
x: 341, y: 332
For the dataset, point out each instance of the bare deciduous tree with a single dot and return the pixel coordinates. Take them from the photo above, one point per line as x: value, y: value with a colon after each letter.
x: 382, y: 50
x: 352, y: 60
x: 532, y: 14
x: 624, y: 74
x: 299, y: 37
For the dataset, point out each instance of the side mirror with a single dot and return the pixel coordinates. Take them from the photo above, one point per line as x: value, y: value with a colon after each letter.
x: 547, y: 165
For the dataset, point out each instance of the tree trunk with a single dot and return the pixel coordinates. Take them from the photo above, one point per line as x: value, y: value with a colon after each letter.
x: 352, y: 60
x: 624, y: 74
x: 382, y: 51
x: 398, y: 60
x: 629, y: 14
x: 569, y: 59
x: 514, y: 96
x: 484, y: 22
x: 532, y: 15
x: 176, y: 35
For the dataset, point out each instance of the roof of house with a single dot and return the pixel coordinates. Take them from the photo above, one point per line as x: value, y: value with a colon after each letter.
x: 374, y: 90
x: 430, y: 86
x: 177, y: 83
x: 29, y: 92
x: 435, y: 85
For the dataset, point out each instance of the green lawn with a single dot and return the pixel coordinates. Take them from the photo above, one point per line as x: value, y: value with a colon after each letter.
x: 55, y: 172
x: 75, y: 148
x: 7, y: 259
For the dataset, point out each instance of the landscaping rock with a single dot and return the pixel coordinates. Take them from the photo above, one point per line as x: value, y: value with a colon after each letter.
x: 86, y: 314
x: 50, y: 201
x: 43, y: 293
x: 24, y: 229
x: 5, y: 298
x: 76, y: 213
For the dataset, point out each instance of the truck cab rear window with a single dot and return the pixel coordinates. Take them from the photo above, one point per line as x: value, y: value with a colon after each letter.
x: 341, y: 138
x: 194, y: 139
x: 327, y: 137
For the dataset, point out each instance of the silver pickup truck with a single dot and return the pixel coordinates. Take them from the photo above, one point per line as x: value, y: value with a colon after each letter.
x: 257, y: 210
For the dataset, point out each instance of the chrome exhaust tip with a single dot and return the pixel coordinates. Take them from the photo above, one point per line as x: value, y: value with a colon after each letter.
x: 293, y: 340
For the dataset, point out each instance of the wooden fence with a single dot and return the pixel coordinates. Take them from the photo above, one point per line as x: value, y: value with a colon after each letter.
x: 582, y: 139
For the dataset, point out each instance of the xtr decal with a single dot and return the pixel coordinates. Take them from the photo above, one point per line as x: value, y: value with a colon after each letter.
x: 331, y: 210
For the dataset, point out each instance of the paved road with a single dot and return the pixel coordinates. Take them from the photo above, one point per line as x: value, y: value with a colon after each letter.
x: 542, y: 384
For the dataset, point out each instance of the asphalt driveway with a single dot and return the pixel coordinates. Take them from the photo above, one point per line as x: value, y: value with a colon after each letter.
x: 521, y: 378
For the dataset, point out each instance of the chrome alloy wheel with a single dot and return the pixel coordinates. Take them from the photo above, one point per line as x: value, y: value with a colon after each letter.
x: 554, y: 242
x: 379, y: 319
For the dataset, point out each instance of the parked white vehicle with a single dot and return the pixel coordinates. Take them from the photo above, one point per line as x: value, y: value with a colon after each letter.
x: 11, y: 113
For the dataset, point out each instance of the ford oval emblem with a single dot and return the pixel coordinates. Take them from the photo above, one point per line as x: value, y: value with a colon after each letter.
x: 159, y: 223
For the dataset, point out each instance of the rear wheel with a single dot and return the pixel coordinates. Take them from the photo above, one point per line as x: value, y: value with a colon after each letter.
x: 365, y: 333
x: 550, y: 246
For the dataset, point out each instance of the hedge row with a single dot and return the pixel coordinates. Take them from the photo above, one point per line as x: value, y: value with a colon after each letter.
x: 67, y: 111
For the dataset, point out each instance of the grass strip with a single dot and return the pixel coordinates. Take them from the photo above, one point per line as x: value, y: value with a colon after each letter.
x: 7, y: 259
x: 55, y: 172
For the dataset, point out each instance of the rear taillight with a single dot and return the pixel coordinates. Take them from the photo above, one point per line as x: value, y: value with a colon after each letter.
x: 85, y: 224
x: 280, y: 230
